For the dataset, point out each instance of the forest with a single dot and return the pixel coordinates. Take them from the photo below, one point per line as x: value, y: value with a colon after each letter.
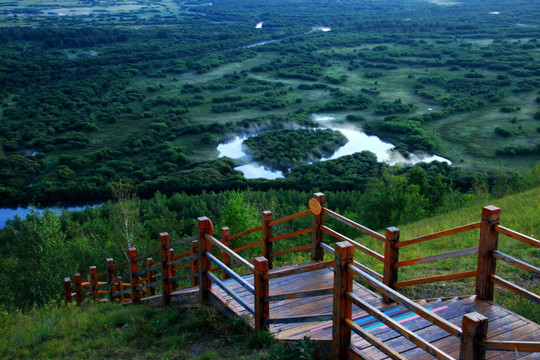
x: 125, y: 103
x: 91, y: 99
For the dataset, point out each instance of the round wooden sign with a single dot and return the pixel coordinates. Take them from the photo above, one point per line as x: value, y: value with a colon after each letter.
x: 315, y: 207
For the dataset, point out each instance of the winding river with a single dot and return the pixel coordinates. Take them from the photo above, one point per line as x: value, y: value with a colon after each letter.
x: 357, y: 141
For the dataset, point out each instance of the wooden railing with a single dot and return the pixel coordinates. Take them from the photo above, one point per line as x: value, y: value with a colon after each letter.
x: 149, y: 279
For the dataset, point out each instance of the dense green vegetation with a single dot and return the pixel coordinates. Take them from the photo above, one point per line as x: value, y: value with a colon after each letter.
x: 143, y: 93
x: 283, y: 149
x: 36, y: 254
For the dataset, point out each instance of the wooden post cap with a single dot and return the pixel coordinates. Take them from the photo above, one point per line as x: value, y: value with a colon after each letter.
x: 491, y: 213
x: 205, y: 225
x: 267, y: 215
x: 315, y: 206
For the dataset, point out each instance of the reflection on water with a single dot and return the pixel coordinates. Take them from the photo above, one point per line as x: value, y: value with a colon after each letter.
x: 358, y: 141
x: 9, y: 214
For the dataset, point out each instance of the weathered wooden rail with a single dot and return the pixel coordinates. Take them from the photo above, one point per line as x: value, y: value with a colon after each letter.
x: 205, y: 261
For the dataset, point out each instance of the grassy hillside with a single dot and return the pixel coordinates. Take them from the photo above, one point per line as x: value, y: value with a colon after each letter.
x: 105, y: 330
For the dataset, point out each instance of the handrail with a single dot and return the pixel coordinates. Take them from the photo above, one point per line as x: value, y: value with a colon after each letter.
x: 446, y: 255
x: 525, y: 346
x: 145, y: 271
x: 391, y: 323
x: 516, y: 289
x: 354, y: 224
x: 226, y: 249
x: 518, y: 236
x: 517, y: 263
x: 409, y: 304
x: 298, y: 248
x: 231, y: 293
x: 373, y: 341
x: 121, y: 266
x: 360, y: 247
x: 182, y: 242
x: 456, y: 276
x: 231, y: 273
x: 291, y: 234
x: 148, y: 254
x: 290, y: 217
x: 246, y: 232
x: 248, y: 246
x: 440, y: 234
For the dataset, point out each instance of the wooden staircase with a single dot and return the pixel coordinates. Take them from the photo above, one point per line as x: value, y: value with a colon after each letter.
x: 349, y: 309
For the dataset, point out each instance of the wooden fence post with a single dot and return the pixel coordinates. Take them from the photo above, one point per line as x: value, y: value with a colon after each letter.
x: 205, y: 285
x: 195, y: 263
x: 391, y: 258
x: 149, y: 275
x: 165, y: 241
x: 486, y: 261
x: 78, y: 288
x: 93, y: 282
x: 262, y: 308
x: 134, y: 268
x: 343, y: 282
x: 474, y: 327
x: 110, y: 278
x: 225, y: 233
x: 266, y: 235
x: 317, y: 252
x: 67, y: 290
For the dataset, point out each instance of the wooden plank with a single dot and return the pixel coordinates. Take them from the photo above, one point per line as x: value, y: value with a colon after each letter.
x: 290, y: 217
x: 299, y: 319
x: 300, y: 294
x: 231, y: 293
x: 457, y: 230
x: 394, y: 295
x: 231, y: 273
x: 272, y: 274
x: 358, y: 246
x: 447, y: 255
x: 355, y: 225
x: 299, y: 248
x: 244, y: 233
x: 526, y: 346
x: 374, y: 341
x: 518, y: 236
x: 289, y: 235
x: 231, y: 253
x: 516, y: 262
x: 462, y: 275
x: 411, y: 336
x: 516, y: 289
